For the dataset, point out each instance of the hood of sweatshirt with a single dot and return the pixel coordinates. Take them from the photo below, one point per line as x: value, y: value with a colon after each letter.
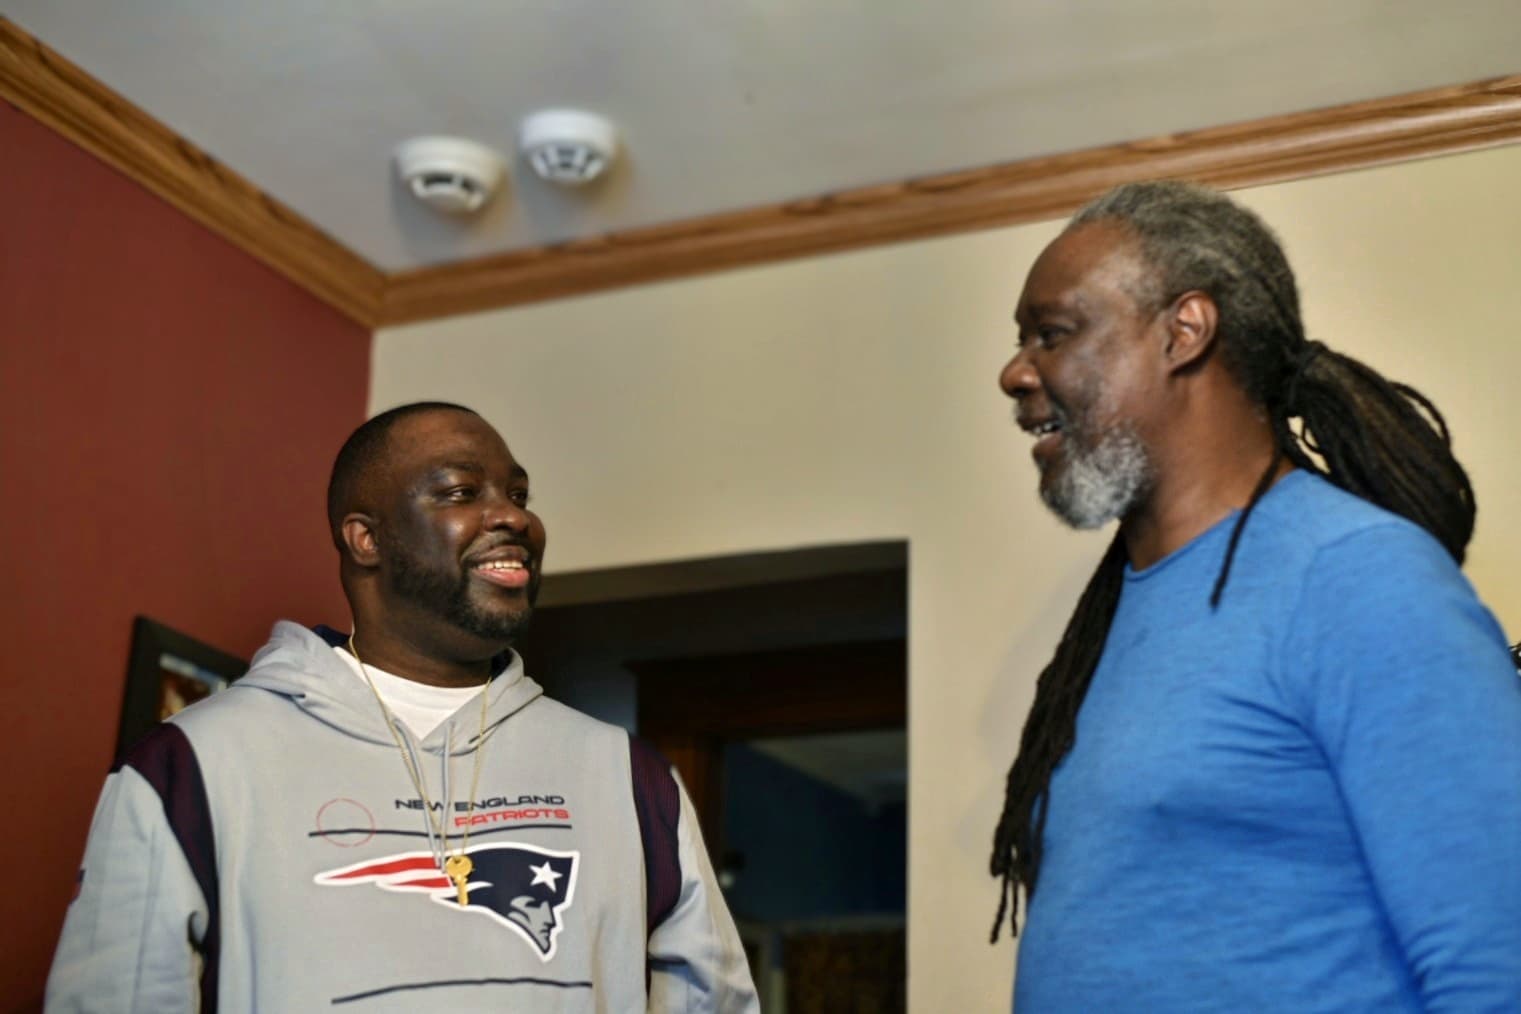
x: 302, y: 665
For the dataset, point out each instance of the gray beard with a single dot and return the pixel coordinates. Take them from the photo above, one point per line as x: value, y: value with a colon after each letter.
x: 1096, y: 486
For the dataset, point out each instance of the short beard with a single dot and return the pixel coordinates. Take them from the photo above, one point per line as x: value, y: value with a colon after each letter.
x: 449, y: 599
x: 1098, y: 485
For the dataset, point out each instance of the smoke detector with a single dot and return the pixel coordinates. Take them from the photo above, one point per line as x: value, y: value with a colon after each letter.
x: 568, y: 146
x: 451, y: 174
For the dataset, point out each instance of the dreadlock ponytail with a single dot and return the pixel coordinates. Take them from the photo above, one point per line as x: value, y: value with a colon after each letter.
x: 1381, y: 440
x: 1049, y: 733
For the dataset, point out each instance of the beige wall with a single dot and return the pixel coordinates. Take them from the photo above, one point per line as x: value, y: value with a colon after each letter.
x: 853, y: 397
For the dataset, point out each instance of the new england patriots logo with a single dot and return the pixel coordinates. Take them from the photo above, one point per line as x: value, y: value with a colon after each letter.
x: 523, y: 887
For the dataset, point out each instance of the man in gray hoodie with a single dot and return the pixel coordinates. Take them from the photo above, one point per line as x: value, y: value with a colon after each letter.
x: 398, y: 819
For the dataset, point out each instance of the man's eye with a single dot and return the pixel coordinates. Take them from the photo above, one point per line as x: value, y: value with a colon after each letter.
x: 460, y: 494
x: 520, y: 497
x: 1043, y: 337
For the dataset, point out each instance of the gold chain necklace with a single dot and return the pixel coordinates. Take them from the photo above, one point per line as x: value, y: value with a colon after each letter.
x: 458, y: 866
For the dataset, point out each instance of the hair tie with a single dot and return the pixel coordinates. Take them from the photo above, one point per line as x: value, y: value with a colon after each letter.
x: 1310, y: 351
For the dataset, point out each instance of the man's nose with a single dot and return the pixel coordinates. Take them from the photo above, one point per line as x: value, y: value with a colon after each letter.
x: 505, y: 512
x: 1019, y: 377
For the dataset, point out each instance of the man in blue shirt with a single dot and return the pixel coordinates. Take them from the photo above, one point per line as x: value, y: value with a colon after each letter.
x: 1275, y: 762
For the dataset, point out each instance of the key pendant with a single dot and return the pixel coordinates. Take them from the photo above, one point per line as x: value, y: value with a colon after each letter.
x: 457, y: 868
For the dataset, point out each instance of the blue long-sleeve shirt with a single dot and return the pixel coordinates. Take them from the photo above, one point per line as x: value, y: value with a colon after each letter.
x: 1306, y: 800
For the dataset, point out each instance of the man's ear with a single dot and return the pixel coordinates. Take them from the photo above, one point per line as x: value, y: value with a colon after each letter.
x: 359, y: 536
x: 1191, y: 322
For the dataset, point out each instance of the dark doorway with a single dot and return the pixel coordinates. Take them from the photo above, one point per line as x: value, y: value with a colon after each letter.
x: 776, y: 684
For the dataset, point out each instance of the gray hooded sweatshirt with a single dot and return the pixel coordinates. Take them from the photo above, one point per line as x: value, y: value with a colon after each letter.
x: 266, y: 850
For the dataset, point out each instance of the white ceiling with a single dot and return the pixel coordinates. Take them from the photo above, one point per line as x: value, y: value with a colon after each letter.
x: 726, y: 104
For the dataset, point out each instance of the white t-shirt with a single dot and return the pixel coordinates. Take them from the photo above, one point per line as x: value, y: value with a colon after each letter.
x: 421, y: 708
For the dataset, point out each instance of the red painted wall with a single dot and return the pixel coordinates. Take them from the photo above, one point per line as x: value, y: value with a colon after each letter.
x: 169, y: 408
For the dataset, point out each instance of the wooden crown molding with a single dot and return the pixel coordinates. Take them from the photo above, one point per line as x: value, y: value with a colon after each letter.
x: 59, y: 94
x: 1440, y: 121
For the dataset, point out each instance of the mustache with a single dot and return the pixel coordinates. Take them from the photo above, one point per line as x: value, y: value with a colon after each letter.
x: 1058, y: 414
x: 491, y: 544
